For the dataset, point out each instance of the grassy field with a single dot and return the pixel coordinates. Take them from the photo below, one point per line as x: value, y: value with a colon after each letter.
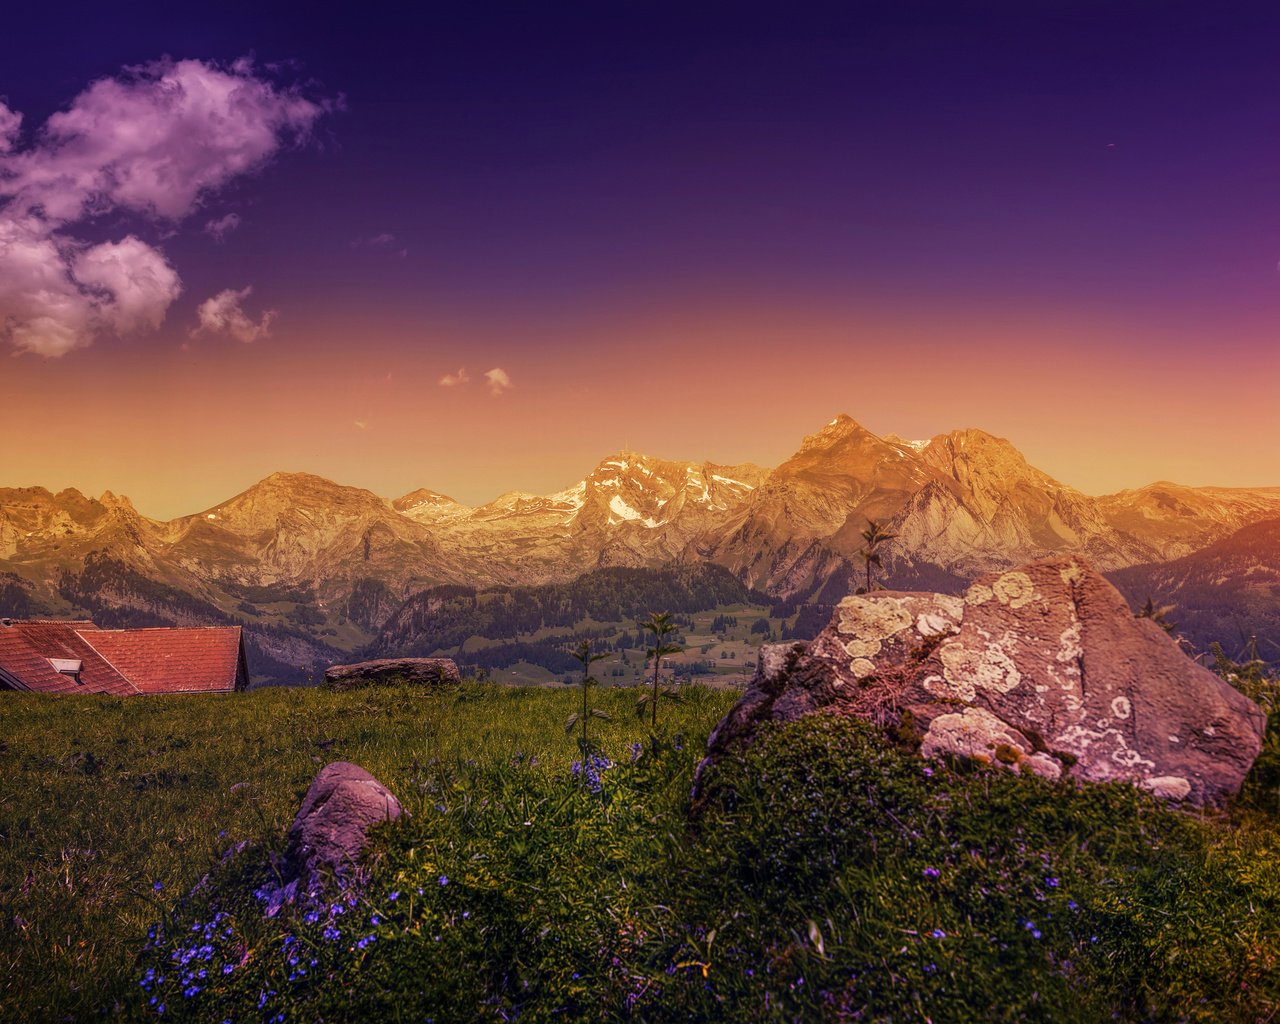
x: 111, y: 809
x: 827, y: 876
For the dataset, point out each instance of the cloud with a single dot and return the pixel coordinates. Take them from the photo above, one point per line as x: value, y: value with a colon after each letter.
x: 153, y: 141
x: 384, y: 242
x: 452, y: 380
x: 10, y: 126
x: 220, y: 227
x: 56, y: 294
x: 498, y: 380
x: 223, y: 314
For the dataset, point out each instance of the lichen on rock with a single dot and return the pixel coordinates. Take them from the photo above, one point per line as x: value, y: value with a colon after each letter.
x: 1043, y: 669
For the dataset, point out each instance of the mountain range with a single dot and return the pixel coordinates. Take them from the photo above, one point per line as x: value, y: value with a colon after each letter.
x: 315, y: 567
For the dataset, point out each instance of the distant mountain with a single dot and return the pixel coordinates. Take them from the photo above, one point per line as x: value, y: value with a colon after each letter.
x: 1227, y: 592
x: 313, y: 567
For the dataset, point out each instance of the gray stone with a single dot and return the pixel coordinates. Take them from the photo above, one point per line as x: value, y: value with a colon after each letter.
x: 389, y: 670
x: 332, y: 825
x: 1042, y: 669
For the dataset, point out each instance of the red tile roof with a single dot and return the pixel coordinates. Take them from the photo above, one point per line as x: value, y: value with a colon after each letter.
x: 121, y: 661
x: 200, y: 659
x: 25, y: 650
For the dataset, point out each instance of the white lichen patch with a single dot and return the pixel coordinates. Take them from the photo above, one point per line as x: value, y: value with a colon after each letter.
x: 1120, y: 707
x: 861, y: 667
x: 1015, y: 589
x: 976, y: 732
x: 930, y: 624
x: 1168, y: 787
x: 1071, y: 574
x: 870, y: 619
x: 941, y: 617
x: 990, y: 667
x: 1079, y: 739
x: 862, y: 648
x: 978, y: 593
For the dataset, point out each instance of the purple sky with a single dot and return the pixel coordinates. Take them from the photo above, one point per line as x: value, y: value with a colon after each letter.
x: 484, y: 185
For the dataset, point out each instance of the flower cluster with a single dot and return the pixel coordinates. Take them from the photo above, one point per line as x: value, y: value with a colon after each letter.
x: 591, y: 771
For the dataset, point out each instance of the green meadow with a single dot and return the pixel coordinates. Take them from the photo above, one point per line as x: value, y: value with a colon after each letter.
x: 825, y: 876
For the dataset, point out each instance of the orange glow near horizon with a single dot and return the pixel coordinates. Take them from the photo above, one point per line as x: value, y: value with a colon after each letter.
x: 179, y: 430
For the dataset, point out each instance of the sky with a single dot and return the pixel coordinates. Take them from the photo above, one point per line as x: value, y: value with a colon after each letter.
x: 479, y: 247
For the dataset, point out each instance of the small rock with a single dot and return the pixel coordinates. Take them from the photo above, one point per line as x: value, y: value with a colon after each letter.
x: 332, y: 825
x: 393, y: 670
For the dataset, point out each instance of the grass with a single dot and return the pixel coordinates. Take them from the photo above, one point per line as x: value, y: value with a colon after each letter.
x: 103, y: 799
x: 827, y: 876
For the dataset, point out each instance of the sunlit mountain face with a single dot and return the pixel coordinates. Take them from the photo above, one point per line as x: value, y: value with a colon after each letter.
x: 317, y: 566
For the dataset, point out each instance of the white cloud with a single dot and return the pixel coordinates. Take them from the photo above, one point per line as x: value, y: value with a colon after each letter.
x: 10, y: 126
x: 223, y: 314
x: 384, y: 242
x: 56, y: 294
x: 452, y: 380
x: 498, y: 380
x: 154, y: 141
x: 220, y: 227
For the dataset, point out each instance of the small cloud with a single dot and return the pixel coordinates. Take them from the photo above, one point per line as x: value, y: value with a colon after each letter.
x: 223, y: 314
x: 384, y: 242
x: 360, y: 424
x: 498, y: 380
x: 452, y: 380
x: 219, y: 228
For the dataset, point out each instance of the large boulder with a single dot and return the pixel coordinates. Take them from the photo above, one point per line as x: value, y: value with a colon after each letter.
x: 332, y: 826
x: 386, y: 670
x: 1042, y: 669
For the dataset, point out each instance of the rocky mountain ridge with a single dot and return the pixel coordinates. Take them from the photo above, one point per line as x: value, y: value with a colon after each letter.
x: 329, y: 563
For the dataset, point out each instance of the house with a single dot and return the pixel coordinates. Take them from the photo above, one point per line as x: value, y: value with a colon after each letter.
x: 77, y: 657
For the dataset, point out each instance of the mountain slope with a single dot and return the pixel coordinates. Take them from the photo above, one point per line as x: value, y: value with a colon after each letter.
x: 306, y: 561
x: 1226, y: 592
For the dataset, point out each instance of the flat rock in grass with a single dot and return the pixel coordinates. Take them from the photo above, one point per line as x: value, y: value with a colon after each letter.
x: 332, y: 825
x: 1042, y: 669
x: 394, y: 670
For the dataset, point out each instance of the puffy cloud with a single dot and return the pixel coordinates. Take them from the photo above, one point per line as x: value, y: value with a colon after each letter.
x: 452, y: 380
x: 132, y: 282
x: 223, y: 314
x: 154, y: 141
x: 220, y: 227
x: 499, y: 381
x: 10, y: 126
x: 57, y: 294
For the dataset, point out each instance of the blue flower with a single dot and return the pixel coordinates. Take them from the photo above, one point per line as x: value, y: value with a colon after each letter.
x: 393, y: 896
x: 157, y: 886
x: 331, y: 934
x: 931, y: 872
x: 1052, y: 883
x: 938, y: 933
x: 444, y: 879
x: 1072, y: 905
